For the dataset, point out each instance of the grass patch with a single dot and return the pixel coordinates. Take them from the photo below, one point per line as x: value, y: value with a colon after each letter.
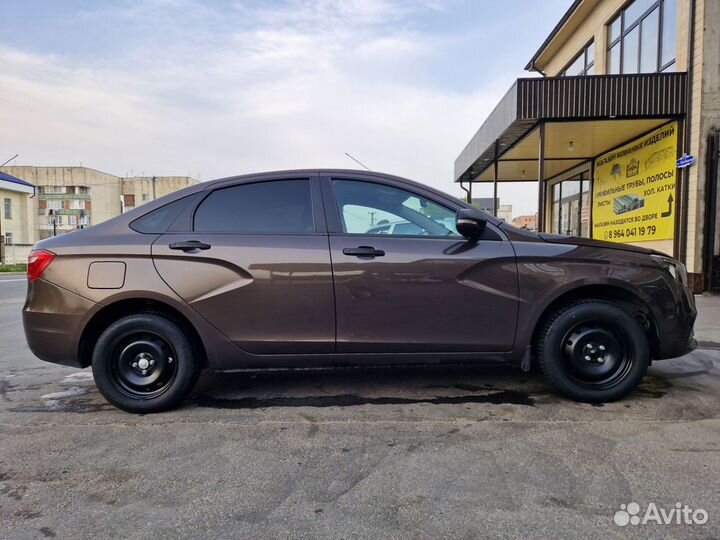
x: 21, y: 267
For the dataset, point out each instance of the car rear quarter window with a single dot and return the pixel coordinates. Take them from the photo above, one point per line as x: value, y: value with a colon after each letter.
x: 158, y: 221
x: 270, y: 207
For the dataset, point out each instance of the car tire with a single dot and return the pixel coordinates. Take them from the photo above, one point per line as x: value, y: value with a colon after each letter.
x: 592, y: 351
x: 145, y: 363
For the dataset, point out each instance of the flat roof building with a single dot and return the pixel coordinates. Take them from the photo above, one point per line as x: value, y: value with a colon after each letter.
x: 70, y: 198
x: 626, y: 90
x: 16, y: 210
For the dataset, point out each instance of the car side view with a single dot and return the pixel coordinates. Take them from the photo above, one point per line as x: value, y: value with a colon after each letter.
x: 299, y: 269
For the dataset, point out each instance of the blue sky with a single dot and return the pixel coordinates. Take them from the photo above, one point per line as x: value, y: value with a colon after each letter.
x: 213, y: 89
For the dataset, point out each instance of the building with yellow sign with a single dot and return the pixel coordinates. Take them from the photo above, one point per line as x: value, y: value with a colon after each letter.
x: 626, y: 89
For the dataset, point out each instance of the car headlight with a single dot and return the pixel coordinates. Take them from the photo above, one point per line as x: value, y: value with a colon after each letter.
x: 675, y: 268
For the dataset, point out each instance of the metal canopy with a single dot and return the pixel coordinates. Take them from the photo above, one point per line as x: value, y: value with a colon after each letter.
x: 533, y: 102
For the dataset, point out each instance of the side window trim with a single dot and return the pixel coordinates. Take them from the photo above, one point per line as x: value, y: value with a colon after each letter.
x: 319, y: 224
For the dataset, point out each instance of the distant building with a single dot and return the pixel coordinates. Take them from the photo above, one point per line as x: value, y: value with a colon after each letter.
x: 504, y: 211
x: 485, y: 204
x: 70, y: 198
x: 525, y: 222
x: 16, y: 211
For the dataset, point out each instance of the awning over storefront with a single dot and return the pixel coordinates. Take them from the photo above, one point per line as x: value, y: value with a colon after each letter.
x: 581, y: 117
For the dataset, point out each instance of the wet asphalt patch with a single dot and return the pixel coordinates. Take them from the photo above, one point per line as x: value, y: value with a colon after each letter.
x: 351, y: 400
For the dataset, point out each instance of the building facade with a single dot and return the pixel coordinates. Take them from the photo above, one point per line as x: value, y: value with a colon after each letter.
x: 525, y: 222
x: 493, y: 206
x: 71, y: 198
x: 620, y: 131
x: 16, y: 210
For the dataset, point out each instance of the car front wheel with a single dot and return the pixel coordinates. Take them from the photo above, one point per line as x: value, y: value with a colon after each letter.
x: 592, y: 351
x: 144, y: 363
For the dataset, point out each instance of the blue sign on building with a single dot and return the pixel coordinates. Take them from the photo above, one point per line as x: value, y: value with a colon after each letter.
x: 685, y: 161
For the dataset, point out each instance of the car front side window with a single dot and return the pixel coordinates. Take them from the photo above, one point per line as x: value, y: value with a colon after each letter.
x: 372, y: 208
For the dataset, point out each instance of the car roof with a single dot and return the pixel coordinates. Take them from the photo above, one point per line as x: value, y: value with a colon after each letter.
x: 353, y: 173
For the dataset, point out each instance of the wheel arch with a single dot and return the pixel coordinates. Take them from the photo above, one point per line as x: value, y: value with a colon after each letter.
x: 616, y: 294
x: 127, y: 306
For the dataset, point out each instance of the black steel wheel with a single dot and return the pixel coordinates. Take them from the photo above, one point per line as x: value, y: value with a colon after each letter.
x: 144, y: 363
x: 592, y: 351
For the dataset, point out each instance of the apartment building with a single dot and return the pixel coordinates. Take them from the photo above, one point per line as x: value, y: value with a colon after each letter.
x: 71, y: 198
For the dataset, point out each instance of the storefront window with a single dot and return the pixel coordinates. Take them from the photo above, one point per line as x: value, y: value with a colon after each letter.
x: 571, y: 207
x: 630, y: 48
x: 640, y: 40
x: 555, y: 218
x: 669, y: 18
x: 585, y: 209
x: 582, y: 64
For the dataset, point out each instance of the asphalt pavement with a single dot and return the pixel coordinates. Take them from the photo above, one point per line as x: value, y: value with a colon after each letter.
x: 436, y: 452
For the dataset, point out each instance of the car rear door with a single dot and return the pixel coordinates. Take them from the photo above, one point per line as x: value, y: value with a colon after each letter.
x: 401, y: 291
x: 253, y: 260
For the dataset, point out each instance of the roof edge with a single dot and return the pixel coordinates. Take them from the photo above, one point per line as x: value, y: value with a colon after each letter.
x: 569, y: 13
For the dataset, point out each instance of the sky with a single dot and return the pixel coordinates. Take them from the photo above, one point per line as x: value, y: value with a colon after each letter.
x: 218, y: 88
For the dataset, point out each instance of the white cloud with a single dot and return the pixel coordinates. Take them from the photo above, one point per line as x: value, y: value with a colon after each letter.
x: 291, y: 87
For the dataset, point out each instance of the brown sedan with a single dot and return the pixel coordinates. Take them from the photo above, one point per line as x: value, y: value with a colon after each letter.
x: 332, y: 267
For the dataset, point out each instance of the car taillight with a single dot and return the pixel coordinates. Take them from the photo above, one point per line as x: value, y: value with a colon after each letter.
x: 38, y: 261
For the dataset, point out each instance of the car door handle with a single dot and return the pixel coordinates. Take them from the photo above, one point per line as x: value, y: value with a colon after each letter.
x: 189, y: 245
x: 364, y: 251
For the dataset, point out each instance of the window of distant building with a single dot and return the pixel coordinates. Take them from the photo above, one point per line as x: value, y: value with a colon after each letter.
x: 641, y: 38
x: 52, y: 189
x: 8, y: 239
x: 582, y: 64
x: 7, y: 208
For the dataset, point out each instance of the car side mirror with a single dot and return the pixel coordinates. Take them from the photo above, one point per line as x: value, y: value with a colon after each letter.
x: 470, y: 224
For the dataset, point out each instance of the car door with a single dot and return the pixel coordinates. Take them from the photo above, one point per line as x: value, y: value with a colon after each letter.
x: 417, y: 286
x: 253, y: 260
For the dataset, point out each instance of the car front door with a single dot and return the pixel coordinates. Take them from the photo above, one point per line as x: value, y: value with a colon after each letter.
x: 255, y: 263
x: 418, y: 285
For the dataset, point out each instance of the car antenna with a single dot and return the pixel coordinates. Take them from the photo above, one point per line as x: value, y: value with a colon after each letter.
x: 16, y: 155
x: 357, y: 161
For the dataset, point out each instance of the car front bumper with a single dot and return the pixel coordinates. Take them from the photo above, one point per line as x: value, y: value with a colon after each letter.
x: 675, y: 329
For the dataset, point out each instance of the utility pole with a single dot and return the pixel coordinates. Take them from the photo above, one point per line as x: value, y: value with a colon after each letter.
x: 51, y: 213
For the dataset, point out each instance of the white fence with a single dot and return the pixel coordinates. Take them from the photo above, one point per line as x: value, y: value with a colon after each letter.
x: 14, y: 253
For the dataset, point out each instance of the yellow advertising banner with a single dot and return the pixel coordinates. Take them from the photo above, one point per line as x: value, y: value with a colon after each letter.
x: 634, y: 189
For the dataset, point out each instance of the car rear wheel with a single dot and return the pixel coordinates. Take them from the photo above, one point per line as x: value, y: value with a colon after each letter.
x: 592, y: 351
x: 144, y: 363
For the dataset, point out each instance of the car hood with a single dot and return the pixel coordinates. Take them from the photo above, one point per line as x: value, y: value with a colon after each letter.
x: 525, y: 235
x: 579, y: 241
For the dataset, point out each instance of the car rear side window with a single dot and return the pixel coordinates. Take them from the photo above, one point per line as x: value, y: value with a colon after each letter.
x: 272, y: 207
